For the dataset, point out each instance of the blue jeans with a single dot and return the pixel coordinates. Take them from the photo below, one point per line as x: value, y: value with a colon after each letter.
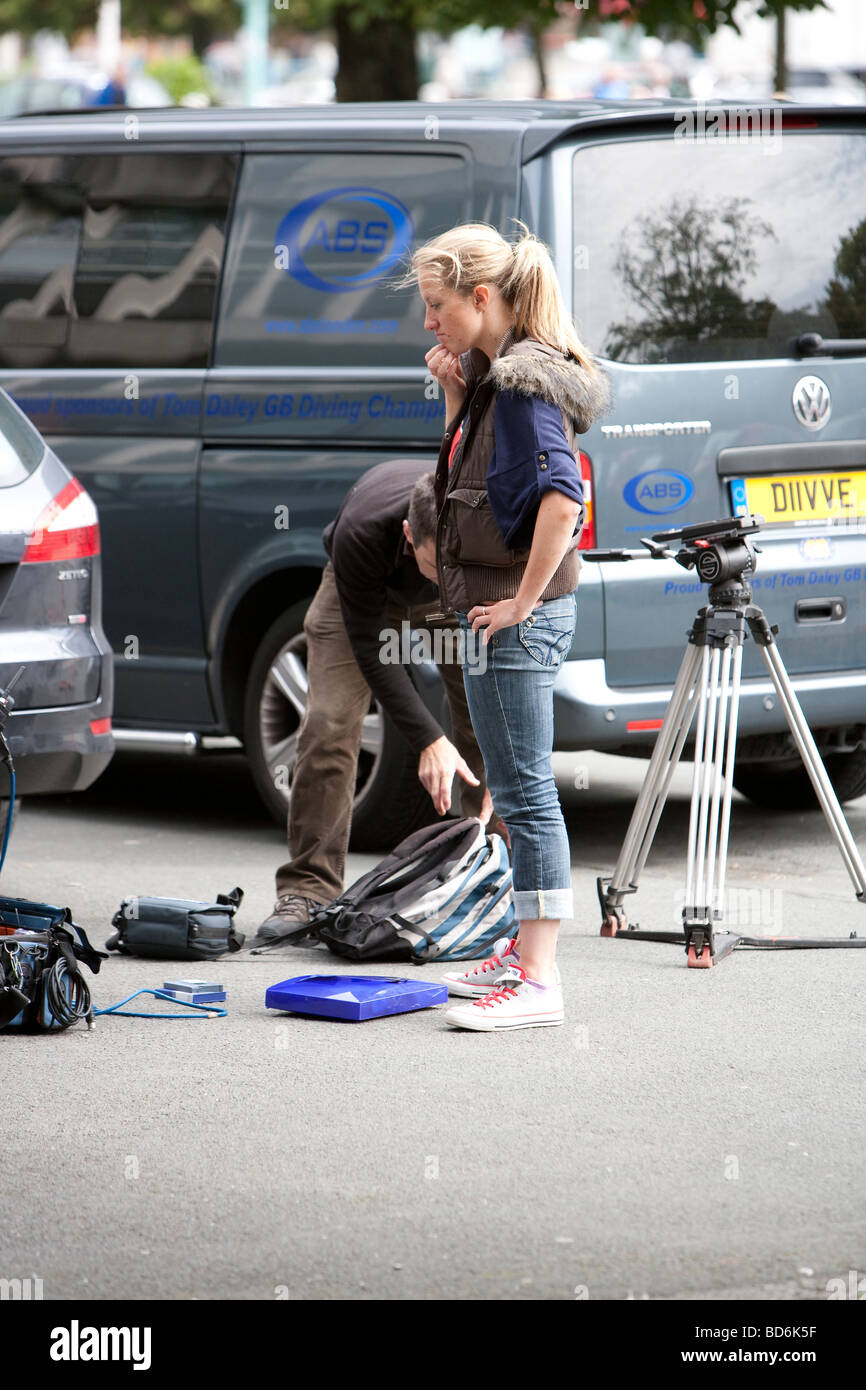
x: 510, y: 698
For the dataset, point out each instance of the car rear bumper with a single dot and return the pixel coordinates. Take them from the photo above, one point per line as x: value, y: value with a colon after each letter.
x: 589, y: 713
x: 58, y: 750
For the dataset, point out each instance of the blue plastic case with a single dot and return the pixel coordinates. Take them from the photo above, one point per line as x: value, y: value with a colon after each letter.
x: 352, y: 997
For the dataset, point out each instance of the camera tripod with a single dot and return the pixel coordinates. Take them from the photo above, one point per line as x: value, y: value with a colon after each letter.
x: 709, y: 683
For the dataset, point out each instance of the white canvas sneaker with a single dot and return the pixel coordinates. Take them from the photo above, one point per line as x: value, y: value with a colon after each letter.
x: 479, y: 979
x: 514, y: 1002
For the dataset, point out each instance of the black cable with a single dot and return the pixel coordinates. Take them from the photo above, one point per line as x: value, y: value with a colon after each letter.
x: 6, y: 757
x: 66, y: 994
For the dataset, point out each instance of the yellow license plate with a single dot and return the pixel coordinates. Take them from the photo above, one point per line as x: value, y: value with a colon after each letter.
x: 797, y: 497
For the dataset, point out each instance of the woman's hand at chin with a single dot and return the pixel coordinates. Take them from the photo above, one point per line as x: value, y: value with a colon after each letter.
x: 444, y: 367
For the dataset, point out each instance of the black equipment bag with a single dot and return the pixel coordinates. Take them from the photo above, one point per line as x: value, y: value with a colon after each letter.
x: 41, y: 984
x: 175, y: 929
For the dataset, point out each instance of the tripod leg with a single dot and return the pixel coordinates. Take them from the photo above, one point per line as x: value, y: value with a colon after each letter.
x: 707, y: 846
x: 713, y: 842
x: 673, y: 760
x: 652, y: 795
x: 691, y: 851
x: 817, y: 772
x: 703, y: 775
x: 729, y: 778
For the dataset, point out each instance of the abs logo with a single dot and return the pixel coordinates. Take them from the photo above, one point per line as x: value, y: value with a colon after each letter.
x: 343, y: 238
x: 658, y: 491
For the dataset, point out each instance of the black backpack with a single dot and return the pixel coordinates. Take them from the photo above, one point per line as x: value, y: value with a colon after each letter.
x: 444, y: 893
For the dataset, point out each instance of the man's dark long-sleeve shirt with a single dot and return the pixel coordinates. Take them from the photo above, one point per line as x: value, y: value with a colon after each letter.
x: 372, y: 563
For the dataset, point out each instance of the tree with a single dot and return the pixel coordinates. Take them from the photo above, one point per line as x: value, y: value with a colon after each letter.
x: 697, y: 19
x: 60, y: 16
x: 685, y: 270
x: 200, y: 20
x: 846, y: 291
x: 376, y: 39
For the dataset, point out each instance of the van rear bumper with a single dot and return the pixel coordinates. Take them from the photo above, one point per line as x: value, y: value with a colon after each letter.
x: 589, y: 713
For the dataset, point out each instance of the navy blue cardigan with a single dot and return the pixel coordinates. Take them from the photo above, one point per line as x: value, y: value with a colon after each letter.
x: 531, y: 456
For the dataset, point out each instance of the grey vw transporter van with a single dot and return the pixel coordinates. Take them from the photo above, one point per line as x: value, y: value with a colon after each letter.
x: 197, y: 309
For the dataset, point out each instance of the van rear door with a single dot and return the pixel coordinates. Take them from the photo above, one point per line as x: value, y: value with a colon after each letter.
x: 706, y: 248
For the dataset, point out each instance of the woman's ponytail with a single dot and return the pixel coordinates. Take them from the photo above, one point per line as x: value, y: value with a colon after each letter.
x: 539, y: 308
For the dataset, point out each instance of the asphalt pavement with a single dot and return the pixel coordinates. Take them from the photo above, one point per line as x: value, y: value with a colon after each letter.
x: 686, y: 1134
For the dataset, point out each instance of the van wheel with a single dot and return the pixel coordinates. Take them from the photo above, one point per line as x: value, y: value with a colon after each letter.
x: 786, y: 786
x: 389, y: 800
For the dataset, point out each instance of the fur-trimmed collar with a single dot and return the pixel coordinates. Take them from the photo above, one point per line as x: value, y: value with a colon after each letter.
x: 532, y: 368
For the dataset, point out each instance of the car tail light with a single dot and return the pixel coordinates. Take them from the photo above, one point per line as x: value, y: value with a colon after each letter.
x: 587, y: 535
x: 68, y: 528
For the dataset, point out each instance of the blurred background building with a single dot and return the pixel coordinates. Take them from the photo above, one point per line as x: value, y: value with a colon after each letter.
x: 282, y: 52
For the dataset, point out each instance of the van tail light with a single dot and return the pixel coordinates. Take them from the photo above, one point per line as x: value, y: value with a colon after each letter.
x: 587, y: 535
x: 67, y: 529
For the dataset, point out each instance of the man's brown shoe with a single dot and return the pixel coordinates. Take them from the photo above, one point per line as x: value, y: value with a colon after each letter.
x: 288, y: 923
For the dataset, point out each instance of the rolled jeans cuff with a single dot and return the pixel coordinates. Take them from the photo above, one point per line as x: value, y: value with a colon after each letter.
x: 555, y: 903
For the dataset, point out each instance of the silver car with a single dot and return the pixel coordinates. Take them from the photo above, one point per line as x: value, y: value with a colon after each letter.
x: 59, y: 730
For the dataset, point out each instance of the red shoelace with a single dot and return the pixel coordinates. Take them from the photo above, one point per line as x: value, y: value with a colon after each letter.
x: 496, y: 996
x: 492, y: 962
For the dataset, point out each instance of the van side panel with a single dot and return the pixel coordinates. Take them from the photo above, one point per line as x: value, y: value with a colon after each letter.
x: 263, y: 514
x: 315, y: 340
x: 108, y: 280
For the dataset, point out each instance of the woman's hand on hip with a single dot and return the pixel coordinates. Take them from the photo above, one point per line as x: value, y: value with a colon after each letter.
x: 492, y: 617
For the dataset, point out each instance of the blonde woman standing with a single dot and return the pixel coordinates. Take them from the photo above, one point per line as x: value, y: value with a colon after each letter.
x: 519, y: 387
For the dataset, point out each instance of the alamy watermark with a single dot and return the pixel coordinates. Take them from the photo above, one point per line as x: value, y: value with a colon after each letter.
x: 735, y: 125
x: 447, y: 646
x: 752, y: 911
x: 21, y: 1290
x: 854, y: 1287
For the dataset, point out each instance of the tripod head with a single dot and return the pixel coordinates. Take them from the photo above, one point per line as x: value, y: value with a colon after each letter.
x: 718, y: 550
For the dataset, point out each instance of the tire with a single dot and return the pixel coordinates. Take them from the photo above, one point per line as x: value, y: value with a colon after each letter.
x: 390, y: 802
x: 785, y: 786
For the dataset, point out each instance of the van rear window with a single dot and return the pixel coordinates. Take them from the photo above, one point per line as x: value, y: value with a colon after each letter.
x: 697, y: 250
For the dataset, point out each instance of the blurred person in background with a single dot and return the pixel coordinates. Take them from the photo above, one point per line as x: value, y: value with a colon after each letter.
x: 114, y: 91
